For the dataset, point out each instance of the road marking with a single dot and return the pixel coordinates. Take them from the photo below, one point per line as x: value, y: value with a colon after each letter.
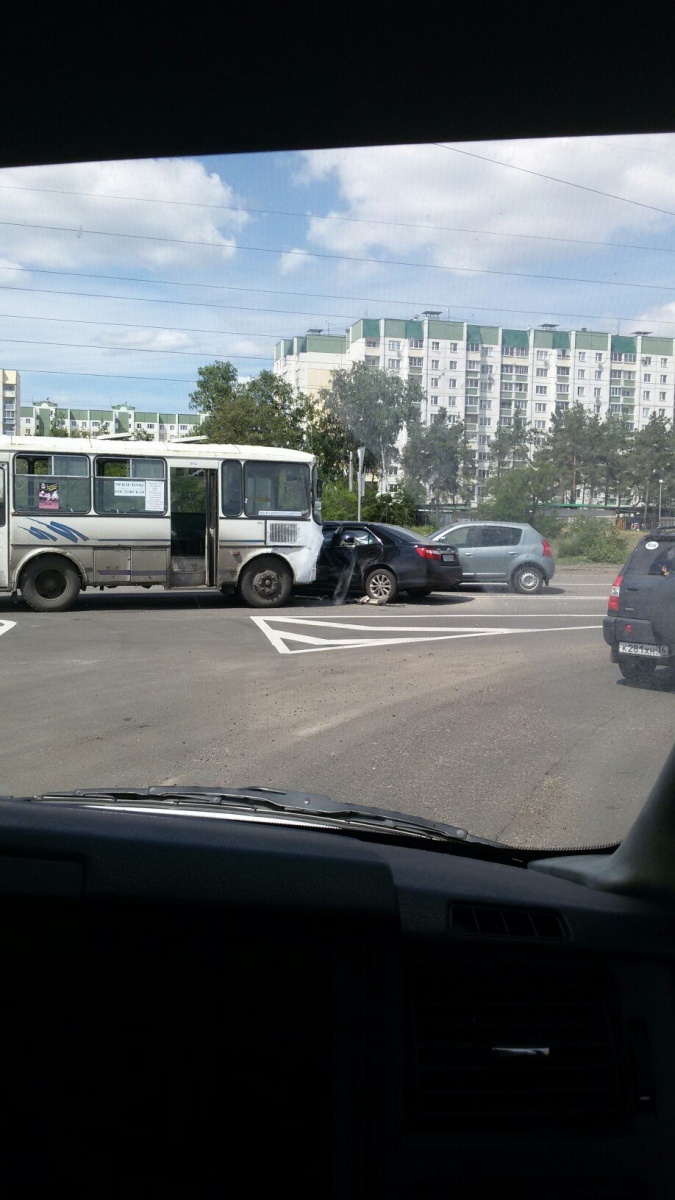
x: 302, y: 643
x: 5, y: 626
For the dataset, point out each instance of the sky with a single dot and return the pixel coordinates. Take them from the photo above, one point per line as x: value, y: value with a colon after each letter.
x: 119, y: 280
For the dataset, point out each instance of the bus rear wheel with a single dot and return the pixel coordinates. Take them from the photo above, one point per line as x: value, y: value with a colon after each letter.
x: 265, y: 583
x: 50, y: 584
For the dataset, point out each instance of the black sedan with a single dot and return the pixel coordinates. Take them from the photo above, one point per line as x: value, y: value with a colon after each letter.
x: 381, y: 560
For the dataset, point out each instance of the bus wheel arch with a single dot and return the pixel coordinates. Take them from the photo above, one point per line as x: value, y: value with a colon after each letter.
x: 265, y: 581
x: 50, y: 581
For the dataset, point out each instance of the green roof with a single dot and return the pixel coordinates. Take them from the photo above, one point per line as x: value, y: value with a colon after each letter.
x: 394, y: 329
x: 516, y: 337
x: 656, y: 345
x: 586, y: 340
x: 326, y: 343
x: 449, y: 331
x: 486, y: 335
x: 414, y: 329
x: 623, y: 345
x: 561, y: 339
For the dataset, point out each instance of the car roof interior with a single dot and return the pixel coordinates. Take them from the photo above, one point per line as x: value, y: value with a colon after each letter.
x: 206, y: 1007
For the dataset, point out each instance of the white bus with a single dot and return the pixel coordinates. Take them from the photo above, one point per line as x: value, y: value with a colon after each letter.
x: 77, y: 514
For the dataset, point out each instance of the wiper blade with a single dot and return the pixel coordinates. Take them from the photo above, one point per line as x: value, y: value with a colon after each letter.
x: 268, y: 800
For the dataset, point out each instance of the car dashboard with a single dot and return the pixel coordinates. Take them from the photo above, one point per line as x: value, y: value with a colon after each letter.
x: 223, y: 1007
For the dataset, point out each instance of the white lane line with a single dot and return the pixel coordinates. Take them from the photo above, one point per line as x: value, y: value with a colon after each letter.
x: 5, y: 626
x: 313, y: 645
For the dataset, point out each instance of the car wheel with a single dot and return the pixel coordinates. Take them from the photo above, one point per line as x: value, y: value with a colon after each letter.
x: 50, y: 584
x: 382, y: 585
x: 419, y: 593
x: 636, y: 671
x: 528, y: 581
x: 265, y: 583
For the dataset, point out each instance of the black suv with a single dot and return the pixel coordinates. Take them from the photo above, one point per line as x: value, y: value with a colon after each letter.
x: 640, y: 622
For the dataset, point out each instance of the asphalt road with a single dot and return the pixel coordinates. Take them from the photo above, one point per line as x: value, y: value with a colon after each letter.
x: 485, y: 709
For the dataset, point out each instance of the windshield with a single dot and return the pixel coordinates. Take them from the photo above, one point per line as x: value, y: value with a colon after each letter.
x: 206, y: 357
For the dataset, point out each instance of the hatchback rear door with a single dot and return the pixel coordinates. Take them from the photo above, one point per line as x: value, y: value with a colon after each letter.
x: 495, y: 553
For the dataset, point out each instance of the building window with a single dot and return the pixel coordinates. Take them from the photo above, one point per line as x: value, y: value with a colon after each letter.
x: 598, y: 357
x: 562, y: 353
x: 434, y: 382
x: 664, y: 362
x: 596, y: 393
x: 582, y: 356
x: 372, y: 360
x: 663, y: 378
x: 435, y: 363
x: 562, y: 388
x: 432, y: 418
x: 598, y: 374
x: 96, y: 424
x: 582, y: 374
x: 645, y: 412
x: 645, y: 395
x: 394, y: 364
x: 434, y: 399
x: 416, y: 343
x: 508, y: 369
x: 150, y: 425
x: 542, y: 372
x: 483, y: 439
x: 562, y: 372
x: 540, y: 407
x: 646, y: 362
x: 540, y: 424
x: 485, y: 420
x: 451, y: 400
x: 415, y: 362
x: 451, y: 383
x: 394, y: 345
x: 615, y: 408
x: 542, y: 355
x: 615, y: 391
x: 485, y: 405
x: 662, y: 412
x: 372, y: 343
x: 184, y: 428
x: 435, y: 345
x: 662, y: 395
x: 453, y: 347
x: 581, y: 391
x: 540, y: 390
x: 630, y: 358
x: 646, y: 378
x: 473, y: 347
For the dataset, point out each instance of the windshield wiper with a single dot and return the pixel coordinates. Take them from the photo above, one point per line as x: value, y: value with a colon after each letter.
x: 267, y: 800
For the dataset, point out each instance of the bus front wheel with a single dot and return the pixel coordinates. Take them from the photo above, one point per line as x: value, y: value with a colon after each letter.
x: 265, y: 583
x: 50, y: 584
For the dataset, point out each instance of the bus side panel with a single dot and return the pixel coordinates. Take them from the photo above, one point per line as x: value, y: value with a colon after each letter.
x: 238, y: 540
x: 109, y: 549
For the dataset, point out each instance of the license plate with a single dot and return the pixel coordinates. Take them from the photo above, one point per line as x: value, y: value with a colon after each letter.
x: 449, y: 558
x: 643, y: 650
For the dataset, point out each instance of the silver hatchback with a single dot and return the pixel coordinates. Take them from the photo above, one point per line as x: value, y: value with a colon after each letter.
x: 501, y: 552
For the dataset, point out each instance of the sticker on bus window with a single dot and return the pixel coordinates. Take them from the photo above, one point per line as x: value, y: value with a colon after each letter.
x: 154, y: 495
x: 273, y: 512
x: 129, y: 487
x: 48, y: 496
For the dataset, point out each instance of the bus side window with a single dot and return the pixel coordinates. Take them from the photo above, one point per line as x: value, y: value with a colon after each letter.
x: 231, y: 489
x: 2, y: 497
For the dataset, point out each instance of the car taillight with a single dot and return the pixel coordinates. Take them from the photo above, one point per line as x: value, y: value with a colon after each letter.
x: 613, y: 602
x: 548, y: 553
x: 427, y: 552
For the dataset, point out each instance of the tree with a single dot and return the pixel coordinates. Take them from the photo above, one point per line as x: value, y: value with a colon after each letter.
x: 433, y: 456
x: 327, y: 438
x: 522, y: 494
x: 262, y: 412
x: 142, y: 435
x: 373, y: 407
x: 567, y: 448
x: 57, y: 427
x: 650, y: 458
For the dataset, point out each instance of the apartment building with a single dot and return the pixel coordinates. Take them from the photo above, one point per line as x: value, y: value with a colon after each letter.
x: 488, y: 375
x: 10, y: 397
x: 38, y: 420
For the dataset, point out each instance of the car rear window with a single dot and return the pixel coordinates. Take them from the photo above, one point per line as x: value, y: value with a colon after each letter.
x: 651, y: 557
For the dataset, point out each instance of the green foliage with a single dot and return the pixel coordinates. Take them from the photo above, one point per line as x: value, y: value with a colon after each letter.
x: 439, y: 456
x: 593, y: 539
x: 337, y: 502
x: 522, y: 494
x: 327, y: 438
x: 188, y: 492
x: 142, y: 435
x: 398, y: 507
x: 373, y: 407
x: 262, y: 412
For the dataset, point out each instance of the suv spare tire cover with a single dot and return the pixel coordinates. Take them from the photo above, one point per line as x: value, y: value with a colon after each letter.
x: 660, y: 609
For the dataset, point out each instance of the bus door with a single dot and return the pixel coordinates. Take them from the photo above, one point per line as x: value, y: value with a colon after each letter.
x: 194, y: 526
x: 4, y: 529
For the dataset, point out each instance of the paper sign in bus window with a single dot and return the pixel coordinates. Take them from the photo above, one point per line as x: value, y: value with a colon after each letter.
x: 48, y: 496
x: 129, y: 487
x: 154, y: 495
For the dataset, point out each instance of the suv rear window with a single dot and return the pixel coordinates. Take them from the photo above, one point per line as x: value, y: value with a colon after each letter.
x: 652, y: 557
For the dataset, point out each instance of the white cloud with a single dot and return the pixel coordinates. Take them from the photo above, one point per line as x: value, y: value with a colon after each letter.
x: 293, y: 260
x: 146, y: 339
x: 43, y: 196
x: 392, y: 192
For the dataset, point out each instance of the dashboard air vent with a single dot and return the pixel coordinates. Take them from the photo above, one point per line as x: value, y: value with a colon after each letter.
x: 484, y: 921
x: 512, y: 1047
